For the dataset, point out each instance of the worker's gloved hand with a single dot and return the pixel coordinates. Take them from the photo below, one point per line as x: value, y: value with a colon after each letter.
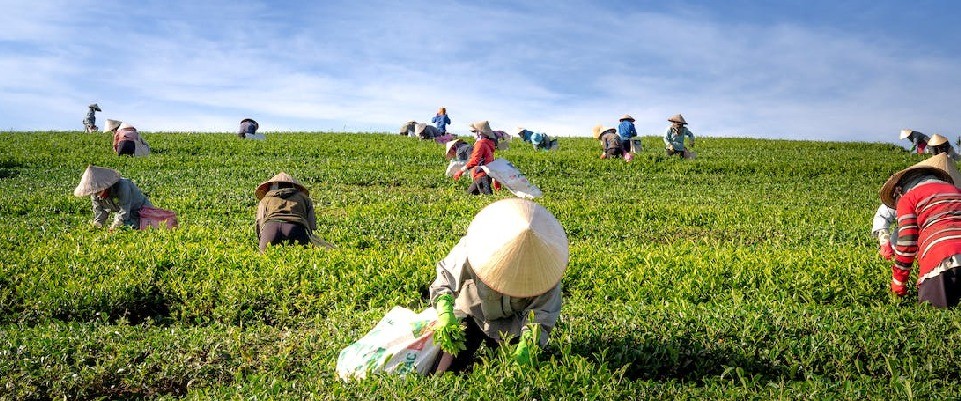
x: 527, y: 346
x: 884, y: 246
x: 670, y: 147
x: 458, y: 174
x: 898, y: 288
x: 445, y: 310
x: 96, y: 224
x: 448, y: 335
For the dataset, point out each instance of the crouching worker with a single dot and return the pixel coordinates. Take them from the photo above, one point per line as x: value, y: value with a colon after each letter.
x: 674, y: 137
x: 126, y: 139
x: 939, y: 144
x: 927, y: 204
x: 542, y: 141
x: 508, y: 266
x: 610, y: 142
x: 285, y: 213
x: 111, y: 193
x: 458, y: 149
x: 248, y: 129
x: 482, y: 154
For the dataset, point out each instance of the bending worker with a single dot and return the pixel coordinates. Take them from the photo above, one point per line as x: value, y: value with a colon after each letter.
x: 111, y: 193
x: 508, y: 265
x: 482, y: 154
x: 674, y: 137
x: 285, y: 213
x: 927, y: 203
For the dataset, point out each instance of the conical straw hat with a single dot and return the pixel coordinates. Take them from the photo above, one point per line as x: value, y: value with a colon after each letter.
x: 936, y: 140
x: 517, y: 248
x: 450, y: 145
x: 600, y: 130
x: 95, y: 106
x: 111, y: 125
x: 905, y: 133
x: 96, y: 179
x: 677, y: 118
x: 126, y: 125
x: 484, y: 127
x: 939, y: 165
x: 626, y: 117
x: 264, y: 187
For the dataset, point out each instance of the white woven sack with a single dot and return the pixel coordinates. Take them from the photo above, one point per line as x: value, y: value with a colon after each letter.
x: 454, y: 166
x: 402, y: 342
x: 505, y: 173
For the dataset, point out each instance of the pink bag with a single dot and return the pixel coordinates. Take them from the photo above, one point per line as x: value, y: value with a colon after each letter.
x: 157, y: 218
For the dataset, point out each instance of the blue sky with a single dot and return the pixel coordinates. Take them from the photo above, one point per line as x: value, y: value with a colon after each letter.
x: 825, y: 70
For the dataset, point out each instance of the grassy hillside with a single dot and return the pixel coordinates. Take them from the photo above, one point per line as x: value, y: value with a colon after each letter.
x: 749, y: 272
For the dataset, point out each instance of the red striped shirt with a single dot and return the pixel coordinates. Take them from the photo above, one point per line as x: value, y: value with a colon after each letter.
x: 929, y: 228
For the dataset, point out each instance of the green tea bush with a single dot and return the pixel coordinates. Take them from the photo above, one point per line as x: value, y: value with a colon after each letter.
x: 746, y: 273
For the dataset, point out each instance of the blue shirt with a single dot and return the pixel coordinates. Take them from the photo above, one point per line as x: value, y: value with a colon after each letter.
x: 626, y: 130
x: 525, y: 135
x: 441, y: 121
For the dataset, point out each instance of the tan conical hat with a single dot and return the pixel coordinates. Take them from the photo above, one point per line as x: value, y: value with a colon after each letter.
x: 939, y: 165
x: 280, y: 177
x: 451, y: 143
x: 677, y: 118
x: 419, y: 128
x: 517, y: 248
x: 484, y: 127
x: 600, y: 130
x: 96, y: 179
x: 936, y: 140
x: 111, y: 125
x: 125, y: 125
x: 626, y: 117
x: 905, y: 133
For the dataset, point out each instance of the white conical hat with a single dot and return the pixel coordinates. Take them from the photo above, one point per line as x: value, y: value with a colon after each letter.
x: 451, y: 143
x: 517, y: 248
x: 626, y: 117
x: 939, y: 165
x: 677, y: 118
x: 263, y: 188
x: 126, y: 125
x: 111, y: 125
x: 936, y: 140
x: 905, y: 133
x: 96, y: 179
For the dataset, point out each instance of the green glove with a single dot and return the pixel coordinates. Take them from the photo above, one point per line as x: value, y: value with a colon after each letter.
x: 448, y: 334
x: 527, y: 346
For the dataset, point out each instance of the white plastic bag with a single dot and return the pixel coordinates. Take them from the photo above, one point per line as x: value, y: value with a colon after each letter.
x: 454, y: 166
x: 505, y: 173
x: 402, y: 342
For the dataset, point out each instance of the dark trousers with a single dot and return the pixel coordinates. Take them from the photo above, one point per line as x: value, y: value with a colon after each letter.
x: 626, y: 146
x: 480, y: 186
x: 275, y: 233
x: 474, y: 338
x: 613, y: 153
x: 943, y: 291
x: 126, y: 148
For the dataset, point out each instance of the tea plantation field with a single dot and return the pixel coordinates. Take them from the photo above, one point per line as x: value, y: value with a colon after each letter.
x: 747, y: 273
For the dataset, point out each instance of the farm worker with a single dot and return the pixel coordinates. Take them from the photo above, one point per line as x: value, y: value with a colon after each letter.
x: 919, y: 141
x: 939, y: 144
x: 285, y: 213
x: 425, y: 131
x: 542, y: 141
x: 248, y: 129
x: 509, y: 264
x: 674, y: 137
x: 626, y: 131
x: 111, y: 193
x: 126, y: 139
x: 884, y: 218
x: 610, y: 142
x: 458, y: 149
x: 927, y: 203
x: 90, y: 122
x: 408, y: 128
x: 524, y: 134
x: 441, y: 120
x: 482, y: 154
